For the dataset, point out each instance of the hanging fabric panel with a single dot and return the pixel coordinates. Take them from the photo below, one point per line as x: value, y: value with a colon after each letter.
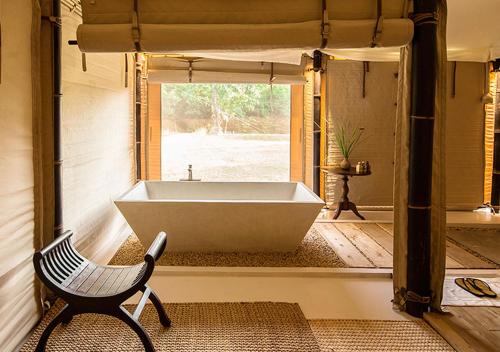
x: 200, y: 70
x: 359, y: 33
x: 225, y: 26
x: 401, y: 169
x: 180, y: 76
x: 19, y: 173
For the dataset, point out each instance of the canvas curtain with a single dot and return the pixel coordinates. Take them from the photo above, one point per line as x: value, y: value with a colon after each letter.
x: 20, y: 225
x: 241, y: 30
x: 201, y: 70
x: 438, y: 202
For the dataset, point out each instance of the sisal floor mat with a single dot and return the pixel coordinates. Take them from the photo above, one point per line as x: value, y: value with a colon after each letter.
x: 195, y: 327
x: 377, y: 335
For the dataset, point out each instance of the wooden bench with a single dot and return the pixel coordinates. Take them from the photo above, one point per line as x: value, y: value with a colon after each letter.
x: 87, y: 287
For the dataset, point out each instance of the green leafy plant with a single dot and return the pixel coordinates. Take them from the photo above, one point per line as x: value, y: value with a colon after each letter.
x: 347, y: 137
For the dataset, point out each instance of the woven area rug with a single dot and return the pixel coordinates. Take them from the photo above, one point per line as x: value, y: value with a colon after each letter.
x: 195, y: 327
x: 314, y: 251
x: 377, y: 335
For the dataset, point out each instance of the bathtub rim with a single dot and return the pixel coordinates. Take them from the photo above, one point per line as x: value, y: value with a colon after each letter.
x: 316, y: 199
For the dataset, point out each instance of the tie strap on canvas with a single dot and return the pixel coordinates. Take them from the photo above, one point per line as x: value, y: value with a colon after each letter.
x: 325, y: 25
x: 136, y: 32
x: 377, y: 32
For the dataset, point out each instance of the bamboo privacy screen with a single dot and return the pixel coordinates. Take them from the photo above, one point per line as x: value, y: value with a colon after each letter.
x: 489, y: 140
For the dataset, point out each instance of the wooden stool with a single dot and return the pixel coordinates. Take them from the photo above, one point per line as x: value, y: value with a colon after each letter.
x: 87, y: 287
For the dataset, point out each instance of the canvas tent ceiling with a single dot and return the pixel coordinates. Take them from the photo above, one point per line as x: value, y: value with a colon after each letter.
x: 473, y: 32
x: 279, y: 30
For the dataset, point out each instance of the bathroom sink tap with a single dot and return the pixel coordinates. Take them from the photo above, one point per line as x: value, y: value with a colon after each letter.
x: 190, y: 175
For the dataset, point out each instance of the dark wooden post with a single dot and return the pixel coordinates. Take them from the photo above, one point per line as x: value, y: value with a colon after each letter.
x: 424, y: 70
x: 57, y: 98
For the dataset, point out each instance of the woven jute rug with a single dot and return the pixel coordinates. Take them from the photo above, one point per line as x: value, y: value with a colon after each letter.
x: 195, y: 327
x: 377, y: 335
x: 313, y: 251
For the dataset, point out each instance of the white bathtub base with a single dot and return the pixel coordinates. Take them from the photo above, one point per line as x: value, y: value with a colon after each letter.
x: 218, y: 221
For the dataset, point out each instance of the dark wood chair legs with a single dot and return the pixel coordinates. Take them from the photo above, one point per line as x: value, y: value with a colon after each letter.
x: 126, y: 317
x: 63, y: 315
x: 162, y: 315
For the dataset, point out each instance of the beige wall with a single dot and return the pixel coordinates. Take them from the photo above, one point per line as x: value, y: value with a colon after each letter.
x: 376, y: 113
x: 98, y: 140
x: 18, y: 304
x: 465, y: 160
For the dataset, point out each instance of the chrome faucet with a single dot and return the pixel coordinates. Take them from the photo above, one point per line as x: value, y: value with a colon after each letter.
x: 190, y: 175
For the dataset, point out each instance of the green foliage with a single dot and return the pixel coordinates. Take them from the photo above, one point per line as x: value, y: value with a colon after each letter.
x: 242, y: 101
x: 347, y: 137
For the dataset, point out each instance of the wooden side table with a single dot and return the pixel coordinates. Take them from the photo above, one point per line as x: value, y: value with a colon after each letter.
x: 345, y: 203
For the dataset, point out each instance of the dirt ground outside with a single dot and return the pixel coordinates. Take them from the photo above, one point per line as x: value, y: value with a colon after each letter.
x: 226, y: 157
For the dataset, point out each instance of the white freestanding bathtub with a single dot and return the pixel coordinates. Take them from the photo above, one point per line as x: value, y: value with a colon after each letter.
x: 221, y: 216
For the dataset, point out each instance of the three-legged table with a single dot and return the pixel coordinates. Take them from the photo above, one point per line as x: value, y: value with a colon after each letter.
x: 345, y: 203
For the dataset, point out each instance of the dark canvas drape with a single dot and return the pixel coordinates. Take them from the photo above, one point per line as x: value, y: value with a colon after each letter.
x: 438, y: 201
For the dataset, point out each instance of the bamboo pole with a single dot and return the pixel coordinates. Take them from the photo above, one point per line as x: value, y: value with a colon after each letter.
x: 424, y: 67
x: 495, y: 189
x: 318, y: 67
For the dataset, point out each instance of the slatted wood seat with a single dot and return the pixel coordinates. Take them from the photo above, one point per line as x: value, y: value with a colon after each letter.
x: 87, y: 287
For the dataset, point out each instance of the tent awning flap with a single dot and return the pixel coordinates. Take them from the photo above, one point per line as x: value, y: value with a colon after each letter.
x: 263, y: 30
x: 228, y: 11
x: 256, y: 26
x: 164, y: 69
x: 249, y: 37
x: 105, y: 38
x: 182, y: 76
x: 344, y: 34
x: 364, y: 9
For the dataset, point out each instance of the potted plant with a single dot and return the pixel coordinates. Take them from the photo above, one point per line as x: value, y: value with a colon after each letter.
x: 347, y: 138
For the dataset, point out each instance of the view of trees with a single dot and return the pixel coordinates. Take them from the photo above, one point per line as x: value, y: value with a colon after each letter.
x: 222, y: 108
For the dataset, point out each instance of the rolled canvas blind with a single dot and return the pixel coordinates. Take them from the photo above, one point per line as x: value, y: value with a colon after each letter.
x: 247, y: 26
x: 201, y: 70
